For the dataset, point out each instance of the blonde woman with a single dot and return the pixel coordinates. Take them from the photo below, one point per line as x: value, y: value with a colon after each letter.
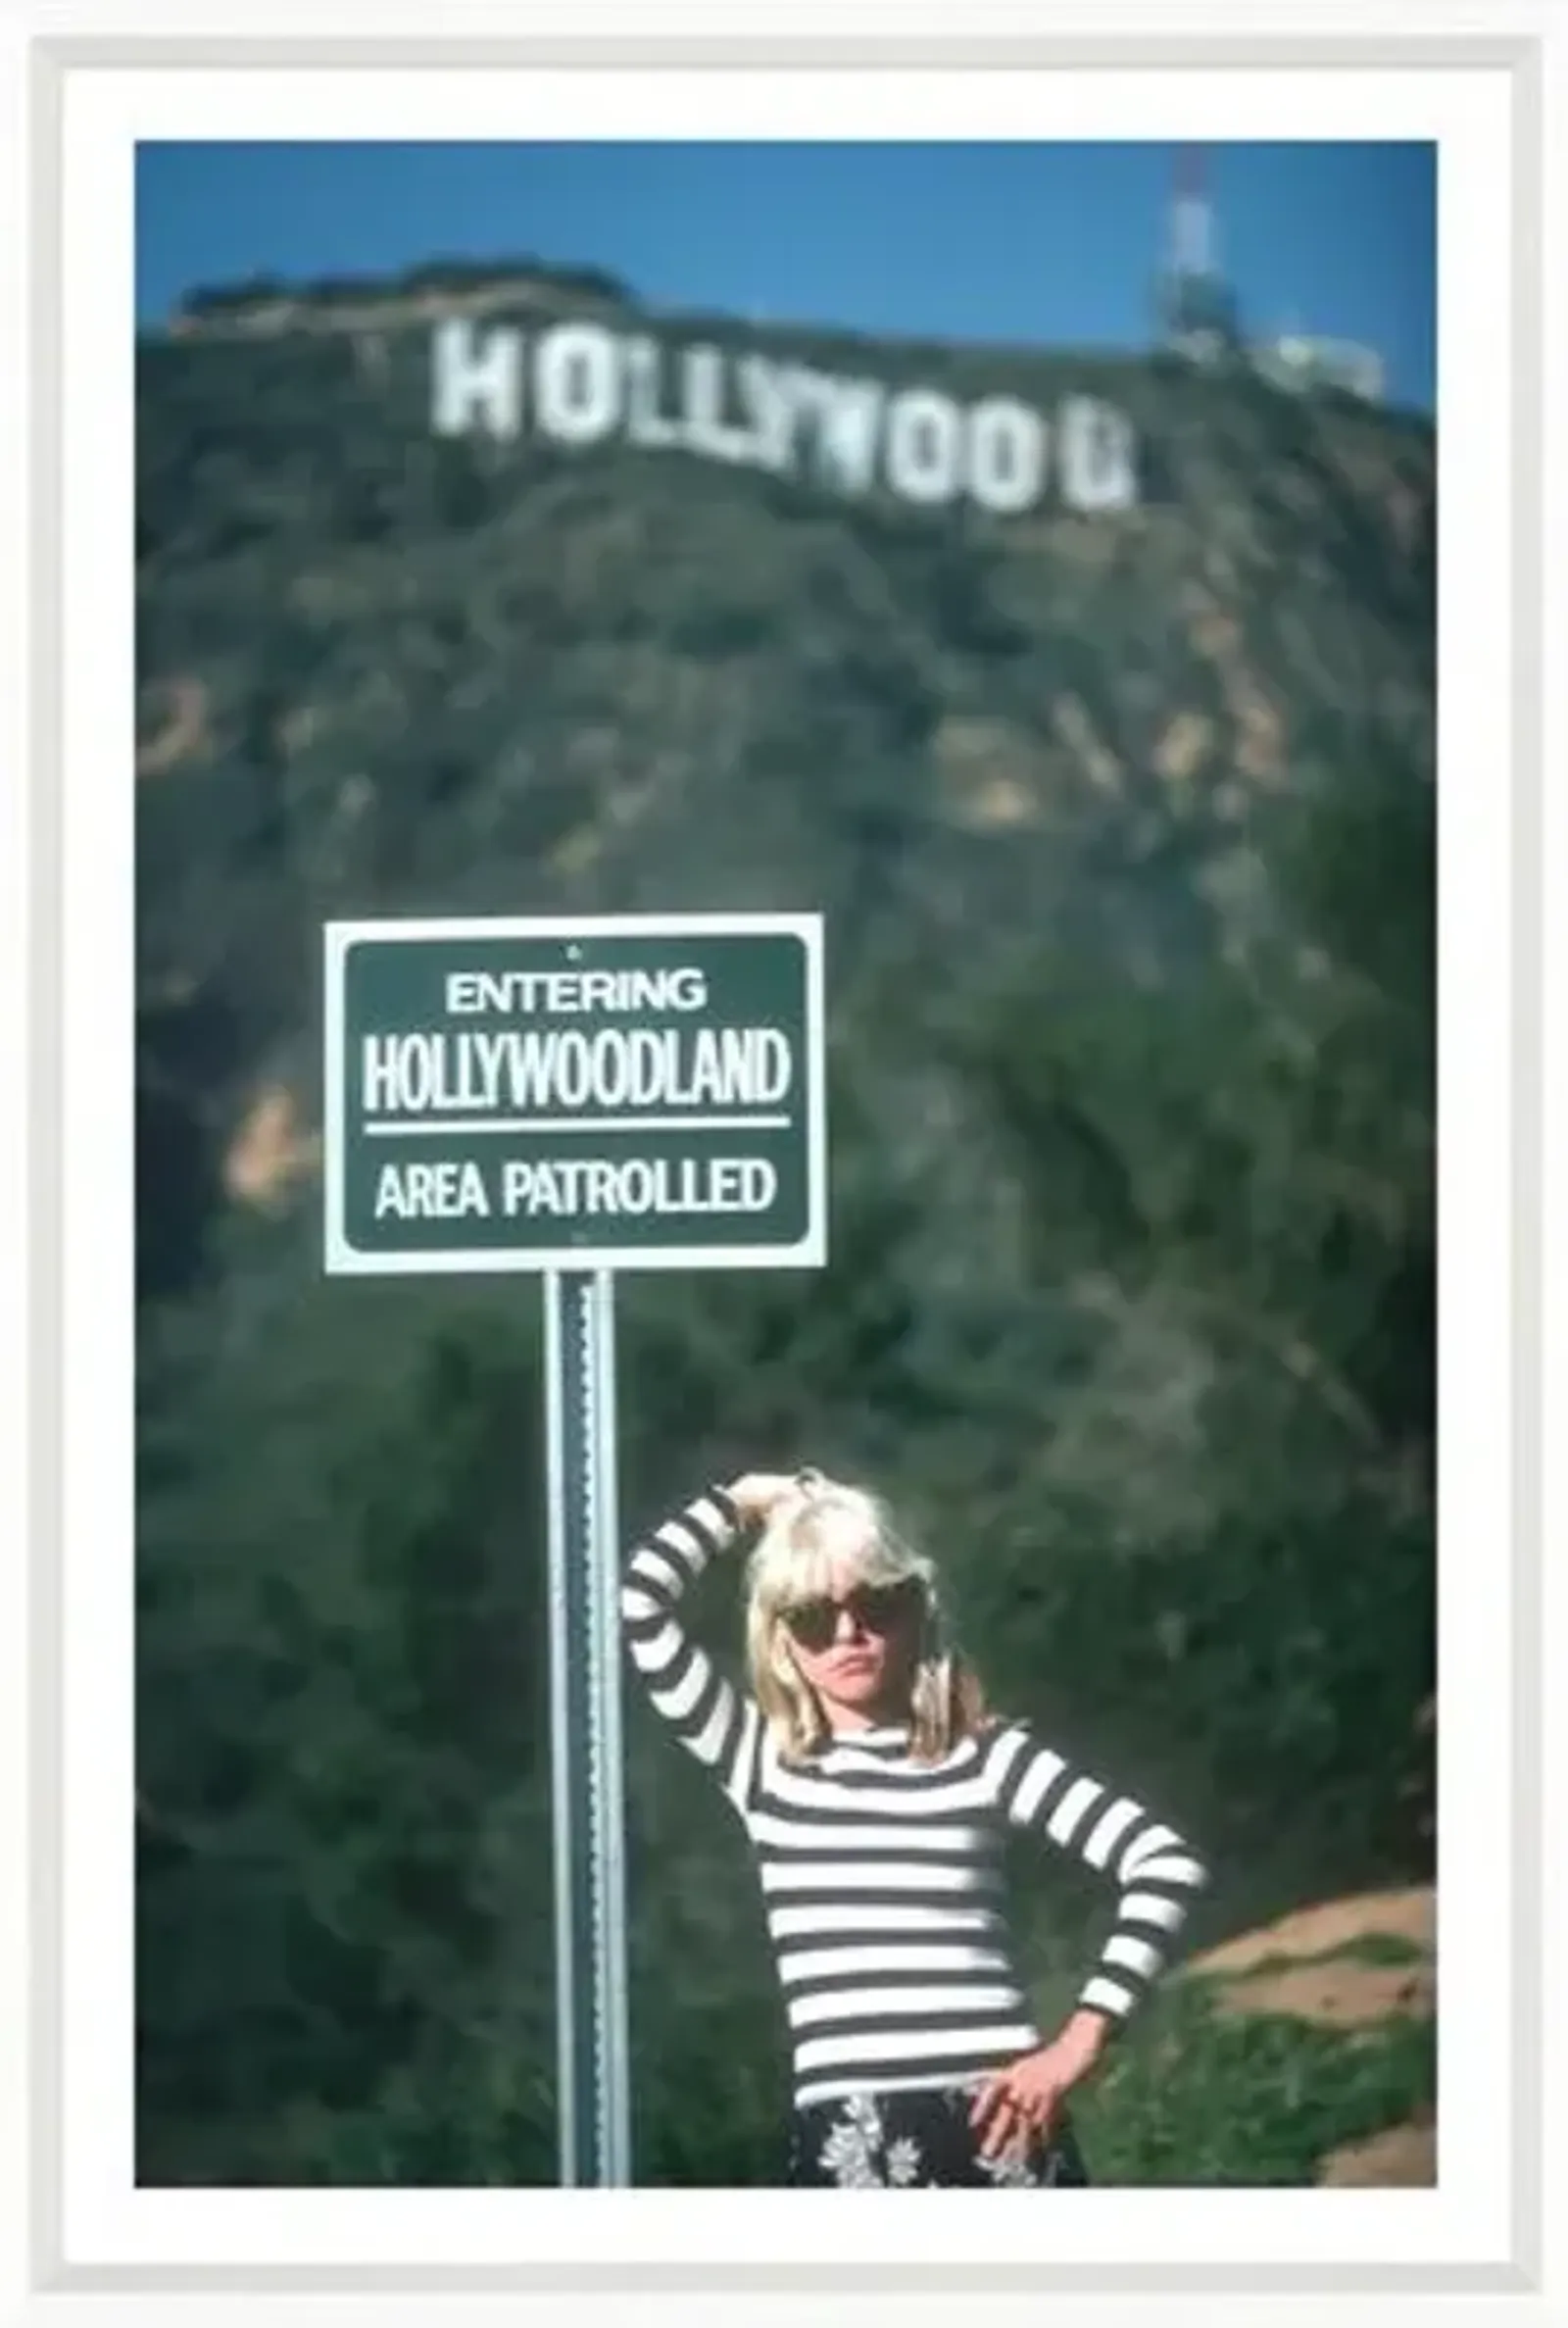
x: 876, y: 1792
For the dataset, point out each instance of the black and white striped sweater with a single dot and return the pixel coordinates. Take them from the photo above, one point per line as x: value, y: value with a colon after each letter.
x: 882, y: 1877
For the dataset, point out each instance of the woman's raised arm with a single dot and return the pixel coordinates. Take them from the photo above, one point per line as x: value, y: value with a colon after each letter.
x: 704, y: 1711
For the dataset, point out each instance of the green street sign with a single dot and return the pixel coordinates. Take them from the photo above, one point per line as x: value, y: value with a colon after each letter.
x: 633, y: 1092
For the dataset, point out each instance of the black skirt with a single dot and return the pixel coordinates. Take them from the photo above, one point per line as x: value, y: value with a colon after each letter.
x: 918, y: 2141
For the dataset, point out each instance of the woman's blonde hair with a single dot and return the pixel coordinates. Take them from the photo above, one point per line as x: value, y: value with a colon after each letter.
x: 818, y: 1527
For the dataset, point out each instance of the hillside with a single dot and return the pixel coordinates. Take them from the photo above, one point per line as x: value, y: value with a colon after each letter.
x: 1119, y: 811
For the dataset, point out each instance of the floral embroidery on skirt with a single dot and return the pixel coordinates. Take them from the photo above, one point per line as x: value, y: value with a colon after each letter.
x: 918, y: 2140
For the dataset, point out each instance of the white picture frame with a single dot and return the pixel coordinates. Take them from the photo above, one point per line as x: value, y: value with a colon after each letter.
x: 97, y: 80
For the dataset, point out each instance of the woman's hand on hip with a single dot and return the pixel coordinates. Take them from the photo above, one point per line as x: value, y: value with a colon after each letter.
x: 1019, y: 2106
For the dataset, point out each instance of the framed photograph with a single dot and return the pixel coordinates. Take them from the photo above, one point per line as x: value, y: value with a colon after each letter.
x: 783, y: 788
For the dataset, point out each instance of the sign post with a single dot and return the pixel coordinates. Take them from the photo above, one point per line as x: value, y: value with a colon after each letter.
x: 591, y: 2032
x: 575, y: 1097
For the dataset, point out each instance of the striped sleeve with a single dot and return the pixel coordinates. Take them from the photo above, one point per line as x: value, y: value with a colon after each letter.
x: 708, y: 1715
x: 1156, y: 1872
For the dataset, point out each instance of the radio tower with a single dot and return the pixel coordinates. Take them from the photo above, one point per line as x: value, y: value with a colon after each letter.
x: 1196, y: 306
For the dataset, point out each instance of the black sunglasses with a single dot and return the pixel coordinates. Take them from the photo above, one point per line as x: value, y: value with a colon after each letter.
x: 875, y: 1608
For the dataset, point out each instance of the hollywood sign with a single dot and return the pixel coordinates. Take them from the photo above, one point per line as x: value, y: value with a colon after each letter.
x: 580, y: 384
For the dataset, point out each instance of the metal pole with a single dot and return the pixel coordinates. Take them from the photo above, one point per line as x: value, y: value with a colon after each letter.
x: 585, y: 1722
x: 612, y: 1791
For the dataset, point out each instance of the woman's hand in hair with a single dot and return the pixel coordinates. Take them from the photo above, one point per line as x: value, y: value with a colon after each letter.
x: 755, y: 1493
x: 1020, y: 2104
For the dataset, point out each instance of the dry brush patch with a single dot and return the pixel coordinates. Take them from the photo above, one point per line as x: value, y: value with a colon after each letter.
x: 270, y: 1151
x: 1325, y: 1965
x: 182, y: 732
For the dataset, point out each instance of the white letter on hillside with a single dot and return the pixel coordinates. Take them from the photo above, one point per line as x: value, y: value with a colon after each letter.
x: 646, y: 425
x: 576, y: 383
x: 924, y: 441
x: 476, y: 384
x: 702, y: 370
x: 1007, y: 455
x: 768, y: 393
x: 847, y: 416
x: 1099, y: 469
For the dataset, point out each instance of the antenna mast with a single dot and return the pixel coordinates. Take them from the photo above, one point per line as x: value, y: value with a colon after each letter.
x: 1198, y: 307
x: 1191, y: 219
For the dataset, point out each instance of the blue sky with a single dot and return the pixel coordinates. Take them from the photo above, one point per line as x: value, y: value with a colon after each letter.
x: 967, y: 241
